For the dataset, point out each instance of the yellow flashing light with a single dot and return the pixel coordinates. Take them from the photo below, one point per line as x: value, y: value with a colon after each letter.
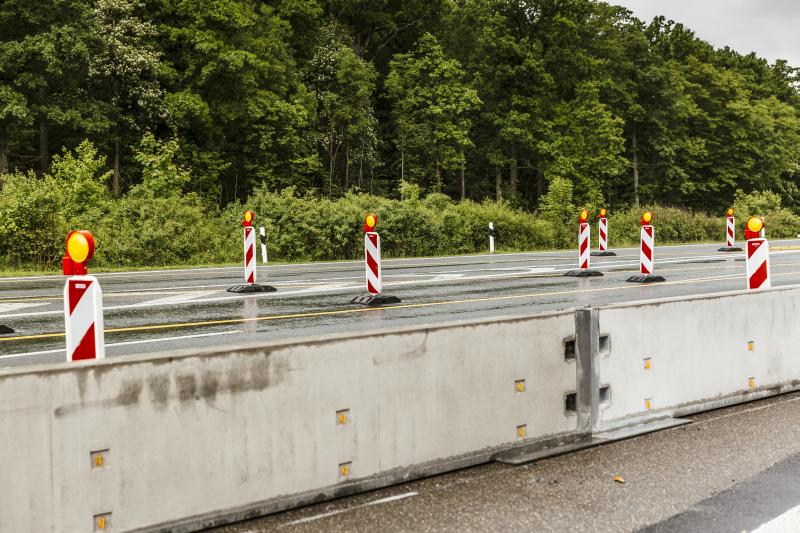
x: 603, y: 212
x: 78, y: 247
x: 755, y: 224
x: 584, y: 215
x: 647, y: 216
x: 730, y: 211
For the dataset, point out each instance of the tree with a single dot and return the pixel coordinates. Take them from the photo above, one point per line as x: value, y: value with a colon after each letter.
x: 432, y: 106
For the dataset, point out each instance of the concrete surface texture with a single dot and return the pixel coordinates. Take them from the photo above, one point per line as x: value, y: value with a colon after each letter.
x: 715, y: 475
x: 225, y: 434
x: 190, y: 440
x: 169, y: 310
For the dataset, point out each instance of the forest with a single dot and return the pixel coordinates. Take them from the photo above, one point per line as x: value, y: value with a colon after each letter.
x: 217, y: 101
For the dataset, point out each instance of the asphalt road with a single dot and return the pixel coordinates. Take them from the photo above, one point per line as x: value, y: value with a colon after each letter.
x: 733, y: 470
x: 156, y: 311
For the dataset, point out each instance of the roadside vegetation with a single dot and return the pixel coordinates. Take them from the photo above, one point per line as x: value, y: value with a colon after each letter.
x: 155, y: 123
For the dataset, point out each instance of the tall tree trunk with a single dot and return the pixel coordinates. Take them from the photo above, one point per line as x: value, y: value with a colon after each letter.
x: 402, y: 161
x: 361, y: 164
x: 347, y: 167
x: 44, y: 144
x: 438, y: 184
x: 635, y: 172
x: 498, y: 183
x: 115, y: 180
x: 463, y: 184
x: 3, y: 151
x: 512, y: 173
x: 539, y: 183
x: 331, y: 164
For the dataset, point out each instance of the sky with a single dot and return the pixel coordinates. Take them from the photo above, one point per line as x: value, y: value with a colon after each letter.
x: 771, y: 28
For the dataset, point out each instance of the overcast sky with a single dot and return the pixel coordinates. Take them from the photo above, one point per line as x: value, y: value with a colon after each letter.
x: 770, y: 28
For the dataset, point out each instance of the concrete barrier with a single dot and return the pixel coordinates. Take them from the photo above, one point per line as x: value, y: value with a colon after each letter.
x: 678, y: 356
x: 184, y: 441
x: 191, y: 440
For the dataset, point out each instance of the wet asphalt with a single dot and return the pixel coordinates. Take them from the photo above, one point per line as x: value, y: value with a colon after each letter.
x: 731, y: 470
x: 162, y: 311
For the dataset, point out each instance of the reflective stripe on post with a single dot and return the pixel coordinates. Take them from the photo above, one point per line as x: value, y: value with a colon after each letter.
x: 758, y: 264
x: 372, y: 258
x: 584, y: 250
x: 602, y: 228
x: 646, y: 254
x: 83, y: 318
x: 249, y: 255
x: 731, y: 232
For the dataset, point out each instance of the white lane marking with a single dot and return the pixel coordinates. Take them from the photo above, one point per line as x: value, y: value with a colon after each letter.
x: 387, y: 262
x: 788, y: 522
x: 329, y: 288
x: 16, y: 306
x: 340, y: 511
x: 181, y: 297
x: 130, y: 343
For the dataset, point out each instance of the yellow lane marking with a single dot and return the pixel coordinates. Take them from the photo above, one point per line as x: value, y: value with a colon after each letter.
x: 310, y: 314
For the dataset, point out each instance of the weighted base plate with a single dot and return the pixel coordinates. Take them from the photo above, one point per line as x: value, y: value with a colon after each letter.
x: 583, y: 273
x: 5, y: 330
x: 369, y: 299
x: 650, y: 278
x: 598, y: 253
x: 731, y: 249
x: 252, y: 288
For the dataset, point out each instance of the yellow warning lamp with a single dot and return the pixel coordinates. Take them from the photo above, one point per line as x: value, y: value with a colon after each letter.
x: 584, y: 216
x: 647, y: 218
x: 370, y: 221
x: 248, y: 218
x: 730, y: 212
x: 80, y: 249
x: 754, y: 227
x: 603, y: 213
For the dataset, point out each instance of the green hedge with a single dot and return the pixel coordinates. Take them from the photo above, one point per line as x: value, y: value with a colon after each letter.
x: 155, y: 224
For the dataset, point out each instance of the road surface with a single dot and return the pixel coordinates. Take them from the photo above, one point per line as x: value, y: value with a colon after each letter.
x: 157, y: 311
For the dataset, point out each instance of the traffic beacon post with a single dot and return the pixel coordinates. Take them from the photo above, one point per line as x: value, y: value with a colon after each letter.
x: 250, y: 263
x: 757, y: 255
x: 83, y: 301
x: 647, y: 253
x: 584, y: 240
x: 730, y: 233
x: 602, y: 236
x: 372, y: 260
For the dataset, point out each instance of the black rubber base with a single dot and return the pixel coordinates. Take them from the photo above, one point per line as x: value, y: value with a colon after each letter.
x: 5, y: 330
x: 583, y: 273
x: 252, y: 288
x: 369, y: 299
x: 598, y: 253
x: 650, y: 278
x: 731, y: 249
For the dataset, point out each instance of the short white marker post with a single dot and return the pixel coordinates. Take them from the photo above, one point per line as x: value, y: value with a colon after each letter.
x: 491, y: 237
x: 263, y: 233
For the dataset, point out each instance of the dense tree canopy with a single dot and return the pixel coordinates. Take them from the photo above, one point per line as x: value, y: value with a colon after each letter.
x: 474, y: 98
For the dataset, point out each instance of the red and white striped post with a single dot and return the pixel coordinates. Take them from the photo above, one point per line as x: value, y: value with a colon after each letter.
x: 83, y: 301
x: 757, y: 255
x: 250, y: 263
x: 602, y: 235
x: 372, y: 262
x: 646, y: 252
x: 584, y: 249
x: 730, y: 233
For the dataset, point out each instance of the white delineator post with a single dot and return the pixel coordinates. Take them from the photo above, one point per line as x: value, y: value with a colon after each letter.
x: 646, y: 253
x: 758, y: 271
x: 602, y: 229
x: 491, y: 237
x: 249, y: 255
x: 584, y: 234
x: 83, y: 318
x: 263, y: 233
x: 372, y: 258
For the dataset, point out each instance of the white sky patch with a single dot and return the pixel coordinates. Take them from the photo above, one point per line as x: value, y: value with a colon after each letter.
x: 767, y: 27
